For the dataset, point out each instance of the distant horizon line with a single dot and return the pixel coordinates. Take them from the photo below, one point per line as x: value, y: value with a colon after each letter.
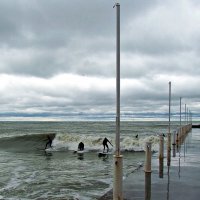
x: 83, y: 116
x: 90, y: 120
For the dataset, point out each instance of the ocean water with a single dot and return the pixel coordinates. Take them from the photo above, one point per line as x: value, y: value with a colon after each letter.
x: 28, y: 172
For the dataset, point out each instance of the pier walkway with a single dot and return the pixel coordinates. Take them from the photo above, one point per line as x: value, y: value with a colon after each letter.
x: 181, y: 181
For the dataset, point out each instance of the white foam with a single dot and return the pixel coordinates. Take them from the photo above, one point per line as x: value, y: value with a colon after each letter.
x: 94, y: 143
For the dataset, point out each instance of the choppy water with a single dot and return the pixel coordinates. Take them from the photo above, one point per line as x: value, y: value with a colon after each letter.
x: 28, y: 172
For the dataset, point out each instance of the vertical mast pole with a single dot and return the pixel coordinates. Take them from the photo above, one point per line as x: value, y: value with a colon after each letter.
x: 169, y: 130
x: 117, y: 185
x: 185, y: 115
x: 180, y: 111
x: 117, y: 153
x: 180, y: 132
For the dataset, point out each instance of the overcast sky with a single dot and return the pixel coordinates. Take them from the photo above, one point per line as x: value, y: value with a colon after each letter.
x: 57, y: 57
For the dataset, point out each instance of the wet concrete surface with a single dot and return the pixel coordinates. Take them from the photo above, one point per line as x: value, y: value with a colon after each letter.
x: 181, y: 180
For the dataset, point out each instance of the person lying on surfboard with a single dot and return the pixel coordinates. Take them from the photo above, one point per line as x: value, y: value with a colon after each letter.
x: 80, y: 146
x: 105, y: 141
x: 49, y: 142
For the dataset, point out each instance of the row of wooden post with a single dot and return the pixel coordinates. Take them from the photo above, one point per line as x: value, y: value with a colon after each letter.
x: 179, y: 138
x: 182, y: 133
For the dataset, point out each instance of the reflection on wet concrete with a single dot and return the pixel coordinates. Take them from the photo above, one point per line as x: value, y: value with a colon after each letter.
x: 168, y: 181
x: 147, y: 185
x: 161, y: 168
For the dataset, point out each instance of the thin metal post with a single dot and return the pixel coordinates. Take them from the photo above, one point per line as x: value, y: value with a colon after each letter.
x: 180, y: 130
x: 118, y: 80
x: 118, y: 162
x: 180, y: 111
x: 174, y: 144
x: 185, y: 115
x: 169, y: 130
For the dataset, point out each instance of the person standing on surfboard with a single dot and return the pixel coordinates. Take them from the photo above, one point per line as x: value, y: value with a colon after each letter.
x: 49, y: 142
x: 105, y: 141
x: 81, y: 146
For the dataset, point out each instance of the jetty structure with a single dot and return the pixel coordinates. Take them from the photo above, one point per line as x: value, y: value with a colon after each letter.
x: 154, y: 180
x: 177, y: 179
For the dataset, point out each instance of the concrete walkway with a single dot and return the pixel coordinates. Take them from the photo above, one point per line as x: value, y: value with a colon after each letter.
x: 181, y: 181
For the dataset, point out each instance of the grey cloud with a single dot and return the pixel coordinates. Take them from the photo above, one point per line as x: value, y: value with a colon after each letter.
x: 53, y: 19
x: 47, y: 39
x: 50, y: 26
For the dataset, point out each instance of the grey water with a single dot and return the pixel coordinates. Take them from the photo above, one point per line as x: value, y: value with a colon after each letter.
x: 29, y: 172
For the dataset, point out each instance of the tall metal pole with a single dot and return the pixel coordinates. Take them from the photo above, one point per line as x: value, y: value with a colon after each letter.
x: 169, y: 130
x: 180, y: 132
x: 185, y: 115
x: 117, y: 187
x: 180, y: 111
x: 118, y: 80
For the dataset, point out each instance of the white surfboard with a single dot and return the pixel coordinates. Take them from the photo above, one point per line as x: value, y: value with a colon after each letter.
x: 50, y: 149
x: 79, y: 152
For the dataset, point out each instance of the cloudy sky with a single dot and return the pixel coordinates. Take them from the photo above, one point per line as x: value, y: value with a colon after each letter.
x: 57, y: 58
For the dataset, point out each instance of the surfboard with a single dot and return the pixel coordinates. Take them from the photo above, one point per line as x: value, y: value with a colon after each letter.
x: 49, y: 149
x: 103, y: 154
x: 79, y: 152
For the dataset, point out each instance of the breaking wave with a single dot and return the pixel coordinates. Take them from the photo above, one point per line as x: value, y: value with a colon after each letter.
x: 65, y: 142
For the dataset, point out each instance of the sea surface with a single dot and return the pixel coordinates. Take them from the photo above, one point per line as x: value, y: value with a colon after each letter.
x: 29, y: 172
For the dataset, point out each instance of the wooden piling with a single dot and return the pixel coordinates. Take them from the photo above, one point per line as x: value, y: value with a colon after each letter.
x: 148, y: 157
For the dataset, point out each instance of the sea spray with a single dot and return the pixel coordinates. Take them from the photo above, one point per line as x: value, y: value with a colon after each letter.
x: 94, y: 143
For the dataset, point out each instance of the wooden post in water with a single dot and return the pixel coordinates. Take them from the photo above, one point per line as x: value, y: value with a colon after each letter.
x: 148, y: 157
x: 118, y: 173
x: 161, y: 156
x: 148, y: 171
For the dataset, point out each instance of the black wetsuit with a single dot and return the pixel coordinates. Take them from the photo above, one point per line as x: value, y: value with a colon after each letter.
x: 105, y: 144
x: 49, y: 142
x: 80, y: 146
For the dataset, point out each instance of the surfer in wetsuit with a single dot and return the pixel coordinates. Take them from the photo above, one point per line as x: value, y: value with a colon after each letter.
x: 49, y: 142
x: 81, y: 146
x: 105, y: 141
